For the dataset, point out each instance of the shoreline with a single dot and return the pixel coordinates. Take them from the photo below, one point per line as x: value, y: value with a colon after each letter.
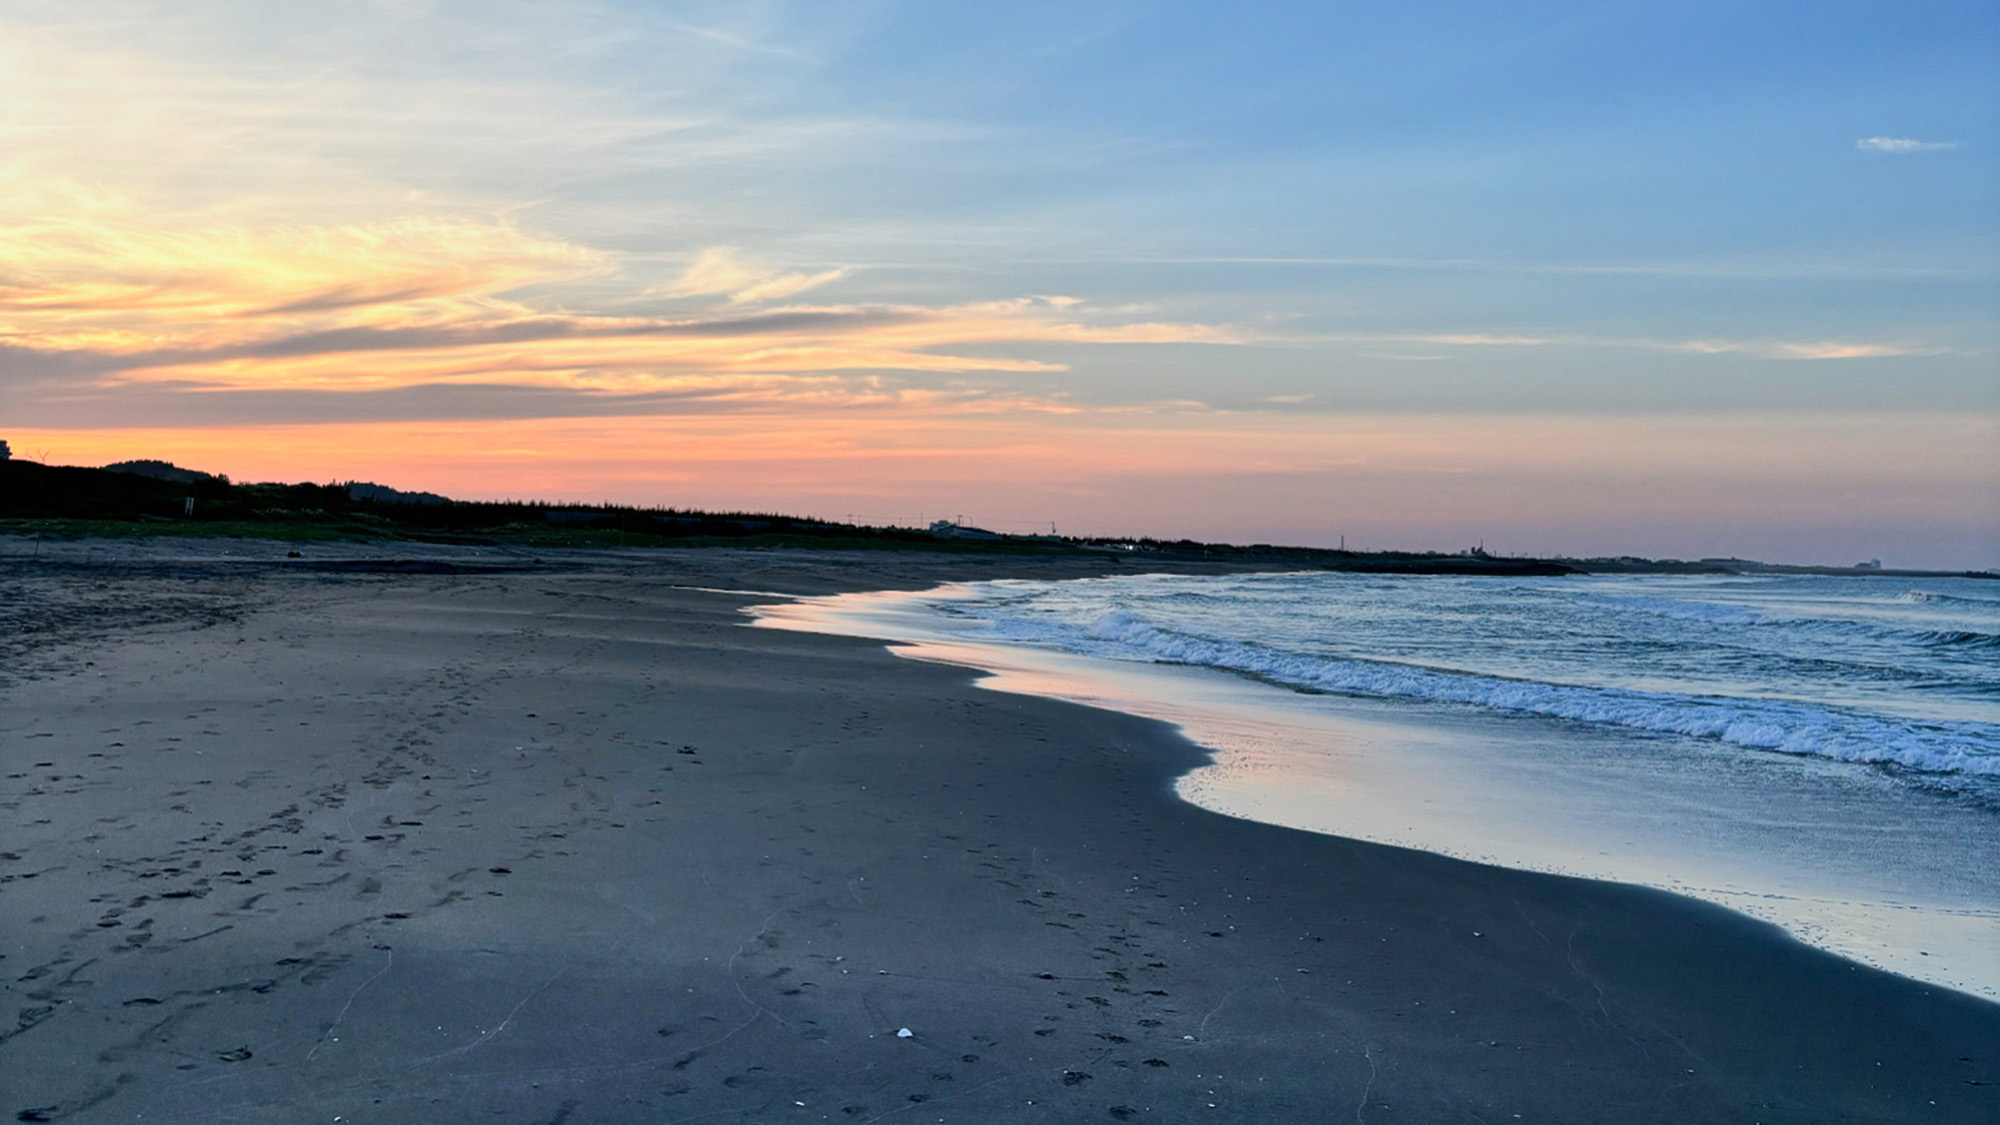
x: 1454, y: 784
x: 485, y: 875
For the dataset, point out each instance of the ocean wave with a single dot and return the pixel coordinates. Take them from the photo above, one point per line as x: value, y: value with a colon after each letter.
x: 1783, y: 726
x: 1766, y: 621
x: 1926, y: 597
x: 1676, y: 609
x: 1958, y: 638
x: 1900, y: 635
x: 1796, y: 633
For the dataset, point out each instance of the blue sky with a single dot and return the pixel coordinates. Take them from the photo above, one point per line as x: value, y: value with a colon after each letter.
x: 1278, y: 228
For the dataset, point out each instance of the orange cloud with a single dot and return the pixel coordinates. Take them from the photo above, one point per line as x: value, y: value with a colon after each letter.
x: 644, y: 355
x: 434, y: 301
x: 100, y: 277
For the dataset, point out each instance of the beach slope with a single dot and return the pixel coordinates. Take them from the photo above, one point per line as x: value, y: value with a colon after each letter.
x: 549, y: 839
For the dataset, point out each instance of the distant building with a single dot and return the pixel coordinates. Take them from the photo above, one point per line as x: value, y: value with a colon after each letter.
x: 949, y: 529
x: 1871, y: 564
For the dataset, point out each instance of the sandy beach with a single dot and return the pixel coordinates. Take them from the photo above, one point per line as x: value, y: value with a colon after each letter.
x: 542, y: 838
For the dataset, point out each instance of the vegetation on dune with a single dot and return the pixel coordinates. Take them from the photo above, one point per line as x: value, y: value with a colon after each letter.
x: 156, y: 498
x: 150, y: 498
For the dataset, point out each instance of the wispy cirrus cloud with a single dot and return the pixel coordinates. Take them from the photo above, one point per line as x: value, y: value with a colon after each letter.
x: 1898, y: 146
x: 1765, y: 349
x: 719, y: 271
x: 96, y: 289
x: 1803, y: 349
x: 90, y: 271
x: 651, y: 355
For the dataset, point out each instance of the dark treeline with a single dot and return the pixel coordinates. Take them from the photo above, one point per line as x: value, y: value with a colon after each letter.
x: 151, y: 497
x: 145, y: 495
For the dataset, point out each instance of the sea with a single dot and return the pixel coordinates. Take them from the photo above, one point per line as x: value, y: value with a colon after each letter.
x: 1819, y: 751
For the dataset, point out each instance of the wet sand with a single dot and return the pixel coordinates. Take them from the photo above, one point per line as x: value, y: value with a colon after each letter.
x: 561, y: 841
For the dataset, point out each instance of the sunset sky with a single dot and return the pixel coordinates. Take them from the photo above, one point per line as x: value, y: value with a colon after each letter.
x: 1673, y: 279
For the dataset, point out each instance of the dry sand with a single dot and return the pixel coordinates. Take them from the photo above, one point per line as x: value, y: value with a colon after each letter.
x: 563, y: 842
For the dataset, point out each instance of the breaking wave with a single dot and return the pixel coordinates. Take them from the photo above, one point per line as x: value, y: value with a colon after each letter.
x: 1804, y: 670
x: 1931, y: 597
x: 1778, y: 725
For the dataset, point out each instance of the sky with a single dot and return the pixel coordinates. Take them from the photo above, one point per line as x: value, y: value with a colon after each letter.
x: 1671, y: 279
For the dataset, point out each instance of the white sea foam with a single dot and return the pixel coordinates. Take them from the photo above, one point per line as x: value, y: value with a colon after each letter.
x: 1807, y: 670
x: 1436, y: 680
x: 1785, y: 727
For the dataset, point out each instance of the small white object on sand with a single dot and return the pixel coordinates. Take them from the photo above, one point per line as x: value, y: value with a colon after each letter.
x: 904, y: 1033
